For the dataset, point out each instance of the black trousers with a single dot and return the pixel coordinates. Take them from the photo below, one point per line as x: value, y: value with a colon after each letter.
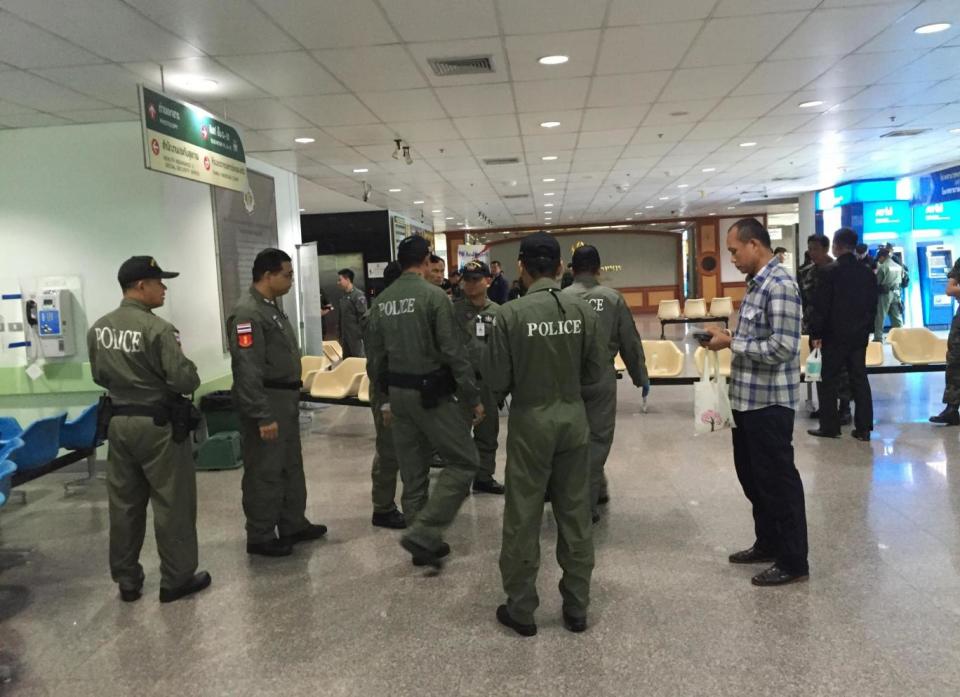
x: 851, y: 357
x: 763, y: 455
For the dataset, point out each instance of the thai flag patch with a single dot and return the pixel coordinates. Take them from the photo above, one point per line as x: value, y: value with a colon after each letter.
x: 245, y: 335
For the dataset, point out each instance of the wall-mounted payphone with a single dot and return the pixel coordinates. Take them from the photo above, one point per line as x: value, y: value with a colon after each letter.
x: 50, y: 314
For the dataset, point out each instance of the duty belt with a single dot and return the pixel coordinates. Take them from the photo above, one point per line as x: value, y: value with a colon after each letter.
x: 405, y: 380
x: 159, y: 413
x: 279, y: 385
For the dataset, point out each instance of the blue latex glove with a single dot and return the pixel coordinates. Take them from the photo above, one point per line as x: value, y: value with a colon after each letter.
x: 646, y: 390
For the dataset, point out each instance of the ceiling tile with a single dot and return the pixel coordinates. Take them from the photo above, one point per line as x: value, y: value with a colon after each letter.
x: 615, y: 117
x: 283, y: 137
x: 904, y: 116
x: 549, y: 143
x: 12, y: 108
x: 880, y: 96
x: 108, y: 28
x: 109, y: 82
x: 569, y: 122
x: 218, y: 28
x: 750, y: 106
x: 733, y: 8
x: 543, y: 95
x: 229, y: 85
x: 454, y: 164
x: 700, y: 83
x: 623, y: 12
x: 430, y: 20
x: 418, y: 132
x: 772, y: 77
x: 40, y: 94
x: 861, y: 69
x: 718, y: 129
x: 645, y: 48
x: 580, y: 46
x: 777, y: 125
x: 900, y: 33
x: 496, y: 126
x: 938, y: 64
x: 607, y: 138
x: 452, y: 147
x: 288, y: 74
x: 477, y: 100
x: 830, y: 98
x: 331, y: 109
x: 34, y: 120
x: 101, y: 116
x: 622, y: 90
x: 403, y: 105
x: 331, y: 23
x: 372, y: 68
x: 264, y: 114
x: 661, y: 134
x: 496, y: 147
x: 756, y: 36
x: 671, y: 113
x: 463, y: 48
x: 835, y: 31
x: 26, y: 46
x: 537, y: 17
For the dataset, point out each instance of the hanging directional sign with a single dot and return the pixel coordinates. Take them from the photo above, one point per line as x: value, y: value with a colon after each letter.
x: 186, y: 141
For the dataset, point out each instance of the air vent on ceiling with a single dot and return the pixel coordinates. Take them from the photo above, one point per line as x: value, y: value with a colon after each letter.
x: 494, y: 161
x: 472, y: 65
x: 515, y: 196
x: 905, y: 133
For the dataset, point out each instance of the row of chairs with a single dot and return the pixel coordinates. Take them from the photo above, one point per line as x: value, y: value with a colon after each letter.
x: 917, y: 346
x: 695, y: 308
x: 324, y: 377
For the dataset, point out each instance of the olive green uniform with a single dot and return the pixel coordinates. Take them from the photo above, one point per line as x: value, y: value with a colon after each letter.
x: 951, y: 392
x: 478, y: 323
x: 385, y: 467
x: 412, y: 331
x: 889, y: 278
x: 618, y: 332
x: 136, y: 357
x: 353, y: 306
x: 545, y: 347
x: 266, y: 389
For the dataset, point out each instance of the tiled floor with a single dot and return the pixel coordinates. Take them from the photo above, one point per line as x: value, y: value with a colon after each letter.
x: 350, y: 615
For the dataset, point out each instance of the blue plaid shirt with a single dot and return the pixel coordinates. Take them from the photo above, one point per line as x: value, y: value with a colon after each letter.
x: 766, y: 344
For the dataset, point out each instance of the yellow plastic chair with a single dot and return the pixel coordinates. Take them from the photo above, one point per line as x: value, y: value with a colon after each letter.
x: 874, y: 354
x: 664, y: 359
x: 310, y: 366
x: 363, y: 392
x: 341, y: 382
x: 333, y: 350
x: 725, y: 355
x: 695, y: 308
x: 668, y: 309
x: 918, y: 346
x: 721, y: 307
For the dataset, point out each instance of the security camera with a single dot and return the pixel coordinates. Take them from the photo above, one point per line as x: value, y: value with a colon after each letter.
x: 406, y: 155
x: 396, y: 150
x: 366, y: 192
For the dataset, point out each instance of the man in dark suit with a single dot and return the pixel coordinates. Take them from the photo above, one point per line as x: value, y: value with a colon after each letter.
x: 499, y: 290
x: 844, y: 309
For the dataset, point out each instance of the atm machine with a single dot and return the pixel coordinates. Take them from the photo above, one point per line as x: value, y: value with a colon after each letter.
x: 935, y: 260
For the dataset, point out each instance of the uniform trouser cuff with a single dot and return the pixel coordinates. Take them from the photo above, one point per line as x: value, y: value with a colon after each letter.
x: 427, y: 538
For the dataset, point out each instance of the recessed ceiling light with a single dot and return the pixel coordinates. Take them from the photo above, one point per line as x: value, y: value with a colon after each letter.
x: 550, y: 193
x: 360, y: 170
x: 711, y: 213
x: 549, y: 124
x: 730, y: 208
x: 304, y: 140
x: 450, y: 218
x: 547, y: 180
x: 394, y: 191
x: 708, y: 169
x: 547, y: 205
x: 417, y: 203
x: 682, y: 186
x: 196, y: 83
x: 748, y: 144
x: 436, y: 210
x: 955, y: 130
x: 811, y: 103
x: 649, y: 207
x: 303, y: 210
x: 553, y: 60
x: 664, y: 198
x: 639, y: 213
x: 934, y: 28
x: 548, y: 158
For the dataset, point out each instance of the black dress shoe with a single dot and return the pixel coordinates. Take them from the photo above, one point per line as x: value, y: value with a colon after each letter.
x: 751, y: 556
x: 861, y: 435
x: 815, y: 414
x: 423, y: 556
x: 595, y: 517
x: 947, y: 417
x: 196, y: 584
x: 130, y: 595
x: 504, y: 618
x: 489, y: 487
x: 546, y: 496
x: 393, y: 520
x: 273, y: 548
x: 311, y: 532
x: 775, y: 576
x: 574, y: 624
x: 846, y: 418
x: 603, y: 499
x: 820, y: 433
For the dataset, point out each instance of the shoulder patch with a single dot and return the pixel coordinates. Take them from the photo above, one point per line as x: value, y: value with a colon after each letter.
x: 245, y: 334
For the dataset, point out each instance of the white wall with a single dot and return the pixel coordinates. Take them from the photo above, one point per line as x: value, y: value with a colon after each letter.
x: 77, y: 201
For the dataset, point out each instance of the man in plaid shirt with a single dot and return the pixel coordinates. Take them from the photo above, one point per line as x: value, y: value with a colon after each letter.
x: 764, y: 393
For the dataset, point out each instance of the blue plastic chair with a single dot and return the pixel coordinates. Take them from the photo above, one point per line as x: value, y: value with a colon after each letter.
x: 41, y: 443
x: 81, y: 432
x: 7, y: 469
x: 8, y: 446
x: 9, y: 428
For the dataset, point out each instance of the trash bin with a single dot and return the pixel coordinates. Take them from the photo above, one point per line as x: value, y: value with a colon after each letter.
x: 217, y: 410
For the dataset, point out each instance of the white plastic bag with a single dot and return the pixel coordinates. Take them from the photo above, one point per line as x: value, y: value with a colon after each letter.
x: 813, y: 367
x: 711, y: 401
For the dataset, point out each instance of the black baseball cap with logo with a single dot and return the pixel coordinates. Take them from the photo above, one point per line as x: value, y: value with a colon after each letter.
x: 539, y: 245
x: 586, y: 257
x: 474, y: 269
x: 141, y: 268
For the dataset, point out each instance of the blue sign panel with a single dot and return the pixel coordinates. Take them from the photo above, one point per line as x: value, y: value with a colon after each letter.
x: 835, y: 197
x: 893, y: 216
x: 938, y: 186
x: 937, y: 216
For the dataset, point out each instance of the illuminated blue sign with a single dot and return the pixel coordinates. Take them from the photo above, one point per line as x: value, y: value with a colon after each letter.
x: 937, y: 216
x: 891, y: 216
x: 863, y: 192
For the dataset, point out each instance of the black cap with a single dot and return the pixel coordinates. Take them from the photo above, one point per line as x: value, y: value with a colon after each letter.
x: 539, y: 245
x: 140, y: 268
x: 586, y: 257
x: 414, y: 243
x: 475, y: 269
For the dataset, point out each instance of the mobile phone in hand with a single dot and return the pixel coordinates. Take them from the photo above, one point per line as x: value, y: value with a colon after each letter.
x: 703, y: 337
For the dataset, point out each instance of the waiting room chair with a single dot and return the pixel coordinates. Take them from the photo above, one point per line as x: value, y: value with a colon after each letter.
x: 874, y: 354
x: 363, y: 392
x: 340, y: 382
x: 8, y: 446
x: 333, y: 351
x: 41, y: 443
x: 725, y: 355
x: 9, y: 428
x: 918, y: 346
x: 310, y: 366
x: 663, y: 358
x: 695, y: 308
x: 894, y: 332
x: 721, y: 307
x: 668, y: 309
x: 80, y: 433
x: 7, y: 469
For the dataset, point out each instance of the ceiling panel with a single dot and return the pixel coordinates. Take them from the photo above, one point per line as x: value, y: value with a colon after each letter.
x: 418, y: 132
x: 701, y: 83
x: 287, y: 74
x: 570, y: 122
x: 613, y: 118
x: 364, y: 134
x: 624, y: 12
x: 32, y: 120
x: 622, y: 90
x: 229, y: 84
x: 109, y: 83
x: 372, y: 68
x: 264, y: 113
x: 673, y: 113
x: 549, y: 143
x: 772, y: 77
x: 101, y: 116
x: 834, y: 32
x: 900, y: 33
x: 580, y: 46
x: 26, y: 46
x: 543, y: 95
x: 756, y: 36
x: 331, y: 23
x: 40, y: 94
x: 495, y: 126
x: 743, y: 107
x: 331, y: 109
x: 477, y: 100
x: 538, y: 17
x: 733, y: 8
x: 402, y: 105
x: 645, y: 48
x: 607, y: 138
x: 431, y: 20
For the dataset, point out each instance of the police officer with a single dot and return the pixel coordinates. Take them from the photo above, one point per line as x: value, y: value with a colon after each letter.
x: 619, y: 333
x: 353, y: 306
x: 136, y: 357
x: 266, y: 393
x: 417, y: 359
x: 477, y: 314
x: 889, y: 278
x: 950, y: 416
x: 545, y: 347
x: 385, y: 466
